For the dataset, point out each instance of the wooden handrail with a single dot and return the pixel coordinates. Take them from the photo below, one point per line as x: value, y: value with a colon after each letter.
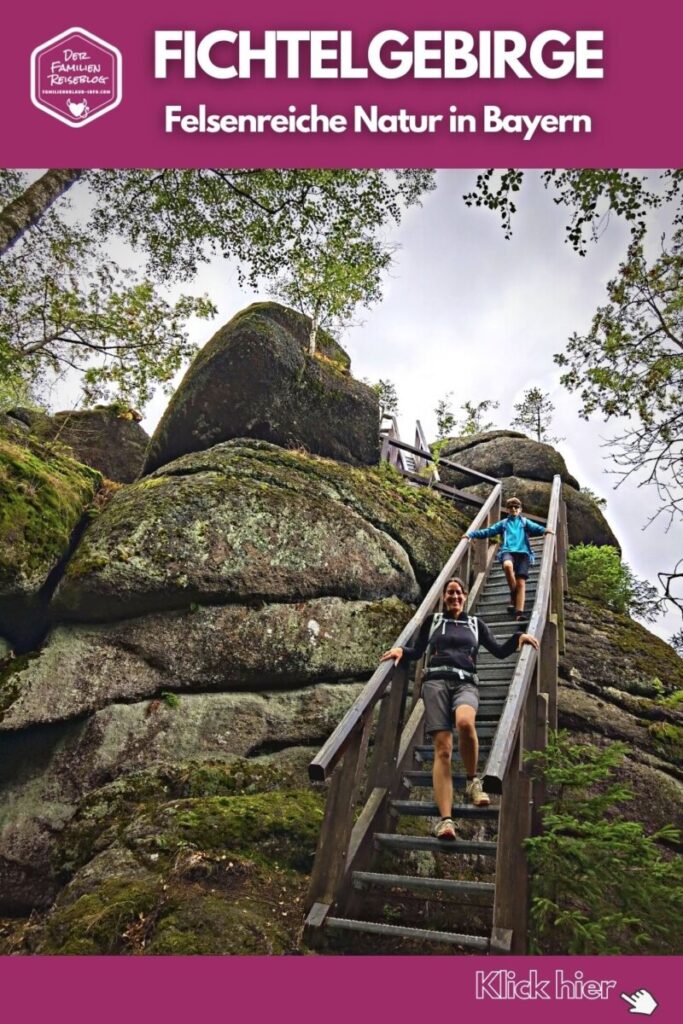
x: 332, y: 751
x: 427, y: 455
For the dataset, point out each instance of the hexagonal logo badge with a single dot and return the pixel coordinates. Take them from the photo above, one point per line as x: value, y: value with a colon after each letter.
x: 76, y: 77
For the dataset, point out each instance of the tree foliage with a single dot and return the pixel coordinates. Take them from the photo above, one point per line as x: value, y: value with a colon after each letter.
x: 445, y: 417
x: 600, y: 883
x: 599, y: 574
x: 331, y: 278
x: 388, y: 396
x: 591, y: 197
x: 471, y: 422
x: 67, y: 304
x: 535, y: 413
x: 474, y: 422
x: 630, y: 365
x: 266, y: 220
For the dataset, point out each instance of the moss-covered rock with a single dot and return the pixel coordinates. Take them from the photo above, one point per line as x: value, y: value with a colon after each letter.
x: 46, y: 773
x: 256, y: 379
x: 109, y: 438
x: 42, y: 500
x: 605, y: 649
x: 192, y: 859
x: 233, y: 647
x: 249, y: 521
x: 504, y: 454
x: 667, y: 738
x: 218, y: 535
x: 282, y: 829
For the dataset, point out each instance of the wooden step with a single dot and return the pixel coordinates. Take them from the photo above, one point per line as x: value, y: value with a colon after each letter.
x: 478, y: 942
x: 493, y: 688
x: 490, y: 709
x: 419, y: 883
x: 422, y: 778
x: 429, y: 809
x: 425, y: 755
x: 402, y: 843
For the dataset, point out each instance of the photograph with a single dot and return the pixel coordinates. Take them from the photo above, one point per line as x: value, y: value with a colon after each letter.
x: 341, y: 512
x: 340, y: 534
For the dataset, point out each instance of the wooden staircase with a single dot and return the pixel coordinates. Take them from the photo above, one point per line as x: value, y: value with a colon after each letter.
x: 381, y: 873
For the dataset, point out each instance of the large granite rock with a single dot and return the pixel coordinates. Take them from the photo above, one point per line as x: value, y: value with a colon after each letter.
x: 256, y: 379
x: 108, y: 438
x: 45, y: 773
x: 620, y: 682
x: 233, y: 647
x: 504, y: 454
x: 249, y: 522
x: 43, y: 497
x: 526, y: 468
x: 324, y: 556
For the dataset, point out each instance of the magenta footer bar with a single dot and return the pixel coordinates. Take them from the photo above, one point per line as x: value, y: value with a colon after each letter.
x: 336, y: 990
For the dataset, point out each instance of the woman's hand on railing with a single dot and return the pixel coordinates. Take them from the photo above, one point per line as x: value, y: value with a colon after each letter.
x: 394, y: 652
x: 527, y: 638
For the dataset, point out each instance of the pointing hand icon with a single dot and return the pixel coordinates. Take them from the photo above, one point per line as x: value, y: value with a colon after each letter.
x: 641, y: 1002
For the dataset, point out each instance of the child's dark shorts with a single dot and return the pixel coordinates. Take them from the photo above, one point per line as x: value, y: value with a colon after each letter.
x: 520, y: 562
x: 442, y: 697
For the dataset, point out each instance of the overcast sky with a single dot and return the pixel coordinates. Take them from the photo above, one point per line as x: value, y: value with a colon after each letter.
x: 467, y: 311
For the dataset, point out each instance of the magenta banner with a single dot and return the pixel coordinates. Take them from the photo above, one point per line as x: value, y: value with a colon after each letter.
x: 489, y: 990
x: 310, y: 85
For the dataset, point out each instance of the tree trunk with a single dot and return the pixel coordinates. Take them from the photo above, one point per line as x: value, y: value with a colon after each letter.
x: 29, y: 207
x: 313, y: 336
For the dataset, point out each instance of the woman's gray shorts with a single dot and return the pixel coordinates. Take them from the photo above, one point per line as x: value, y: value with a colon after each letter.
x: 442, y: 697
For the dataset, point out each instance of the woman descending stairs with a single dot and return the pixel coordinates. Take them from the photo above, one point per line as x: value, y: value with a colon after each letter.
x: 466, y: 856
x: 382, y: 873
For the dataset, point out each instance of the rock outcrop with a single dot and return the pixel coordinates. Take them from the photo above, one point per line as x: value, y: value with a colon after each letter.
x: 108, y: 438
x: 210, y: 623
x: 526, y: 468
x: 620, y: 682
x: 43, y: 498
x: 255, y: 379
x: 227, y: 605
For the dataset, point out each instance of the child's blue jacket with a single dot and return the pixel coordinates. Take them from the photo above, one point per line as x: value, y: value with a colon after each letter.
x: 515, y: 532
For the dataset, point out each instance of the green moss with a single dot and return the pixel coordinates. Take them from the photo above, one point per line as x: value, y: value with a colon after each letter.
x: 42, y: 498
x: 426, y: 525
x: 10, y: 683
x: 673, y: 702
x: 668, y: 740
x: 219, y: 925
x: 635, y: 660
x: 98, y: 921
x: 281, y: 829
x: 106, y: 814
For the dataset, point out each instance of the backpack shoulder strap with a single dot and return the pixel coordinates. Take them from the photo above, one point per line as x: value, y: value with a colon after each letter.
x: 473, y: 623
x: 436, y: 623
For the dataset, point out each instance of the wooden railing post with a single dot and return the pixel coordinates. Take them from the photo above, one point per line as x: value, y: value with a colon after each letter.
x: 337, y: 824
x: 563, y: 579
x: 548, y: 664
x: 511, y: 904
x: 388, y: 735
